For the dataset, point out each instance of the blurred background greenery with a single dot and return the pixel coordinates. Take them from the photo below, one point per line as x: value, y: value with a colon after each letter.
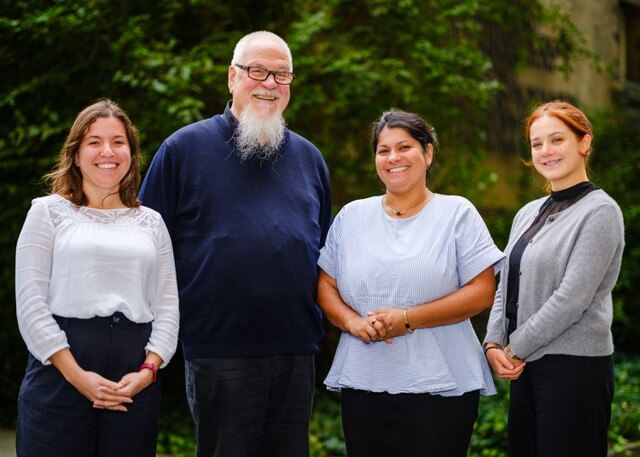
x: 472, y: 68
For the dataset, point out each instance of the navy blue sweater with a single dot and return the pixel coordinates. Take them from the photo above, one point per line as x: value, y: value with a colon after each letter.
x: 246, y: 239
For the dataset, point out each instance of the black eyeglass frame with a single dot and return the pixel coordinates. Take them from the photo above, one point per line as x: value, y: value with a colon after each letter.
x: 269, y: 73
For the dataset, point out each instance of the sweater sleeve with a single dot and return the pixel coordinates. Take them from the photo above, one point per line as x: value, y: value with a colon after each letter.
x: 496, y: 327
x: 593, y: 252
x: 164, y: 306
x: 34, y: 252
x: 159, y: 189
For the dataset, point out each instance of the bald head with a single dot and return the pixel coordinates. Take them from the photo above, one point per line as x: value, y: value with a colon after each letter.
x: 260, y: 39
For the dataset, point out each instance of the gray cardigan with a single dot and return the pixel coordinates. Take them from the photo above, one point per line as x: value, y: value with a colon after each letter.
x: 567, y: 273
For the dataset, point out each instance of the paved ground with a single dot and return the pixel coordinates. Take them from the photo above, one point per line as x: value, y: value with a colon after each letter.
x: 7, y: 443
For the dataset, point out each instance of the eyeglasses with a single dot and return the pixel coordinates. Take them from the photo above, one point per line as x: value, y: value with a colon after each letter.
x: 261, y: 74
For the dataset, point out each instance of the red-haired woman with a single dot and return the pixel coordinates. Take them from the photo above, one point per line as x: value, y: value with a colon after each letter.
x: 550, y: 326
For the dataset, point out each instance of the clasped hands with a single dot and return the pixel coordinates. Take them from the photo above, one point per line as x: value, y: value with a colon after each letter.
x: 378, y: 325
x: 505, y: 366
x: 107, y: 394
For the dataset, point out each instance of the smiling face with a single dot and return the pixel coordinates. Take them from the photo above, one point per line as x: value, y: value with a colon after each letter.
x: 557, y: 152
x: 266, y: 96
x: 104, y: 158
x: 401, y: 161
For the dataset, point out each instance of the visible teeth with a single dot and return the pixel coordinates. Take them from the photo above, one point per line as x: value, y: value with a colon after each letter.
x: 107, y: 165
x: 397, y: 169
x: 553, y: 162
x: 265, y: 97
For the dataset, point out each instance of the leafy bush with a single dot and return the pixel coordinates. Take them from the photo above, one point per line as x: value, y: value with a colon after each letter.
x: 177, y: 433
x: 625, y: 414
x: 616, y: 169
x: 325, y: 432
x: 489, y: 437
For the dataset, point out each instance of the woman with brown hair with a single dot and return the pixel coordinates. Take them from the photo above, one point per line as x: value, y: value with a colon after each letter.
x: 96, y: 300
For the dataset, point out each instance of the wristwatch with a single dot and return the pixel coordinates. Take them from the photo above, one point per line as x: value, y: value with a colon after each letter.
x: 152, y: 367
x: 510, y: 352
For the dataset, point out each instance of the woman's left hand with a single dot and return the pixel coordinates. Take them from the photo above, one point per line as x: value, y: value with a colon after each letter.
x: 393, y: 321
x: 503, y: 365
x: 132, y: 384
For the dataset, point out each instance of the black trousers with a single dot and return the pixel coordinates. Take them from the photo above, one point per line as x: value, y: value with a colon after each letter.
x: 55, y: 420
x: 251, y: 406
x: 561, y: 407
x: 407, y: 425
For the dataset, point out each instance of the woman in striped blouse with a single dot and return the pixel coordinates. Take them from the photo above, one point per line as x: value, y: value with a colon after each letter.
x: 401, y: 275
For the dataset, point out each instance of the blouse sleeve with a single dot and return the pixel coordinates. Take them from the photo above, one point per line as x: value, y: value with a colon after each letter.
x: 164, y: 306
x: 591, y: 259
x: 34, y: 252
x: 328, y: 259
x: 475, y: 249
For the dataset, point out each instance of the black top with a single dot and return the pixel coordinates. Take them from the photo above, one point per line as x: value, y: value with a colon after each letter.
x: 557, y: 201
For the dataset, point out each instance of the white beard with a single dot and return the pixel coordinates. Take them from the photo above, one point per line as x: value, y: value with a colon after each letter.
x: 259, y: 135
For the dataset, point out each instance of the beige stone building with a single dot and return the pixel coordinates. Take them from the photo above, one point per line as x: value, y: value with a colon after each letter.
x: 611, y: 30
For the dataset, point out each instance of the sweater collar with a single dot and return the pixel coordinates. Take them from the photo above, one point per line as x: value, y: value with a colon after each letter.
x: 229, y: 118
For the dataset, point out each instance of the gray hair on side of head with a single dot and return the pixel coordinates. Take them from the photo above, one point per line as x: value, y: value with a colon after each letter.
x: 261, y: 36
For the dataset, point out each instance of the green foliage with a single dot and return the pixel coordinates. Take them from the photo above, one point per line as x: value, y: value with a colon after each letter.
x: 386, y: 57
x: 489, y: 437
x: 166, y: 64
x: 325, y: 431
x: 616, y: 169
x: 625, y: 420
x: 177, y: 433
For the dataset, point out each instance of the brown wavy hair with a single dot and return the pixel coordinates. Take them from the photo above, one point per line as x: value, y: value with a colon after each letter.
x: 66, y: 178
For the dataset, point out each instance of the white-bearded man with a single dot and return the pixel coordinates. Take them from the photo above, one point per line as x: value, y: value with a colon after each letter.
x: 248, y: 206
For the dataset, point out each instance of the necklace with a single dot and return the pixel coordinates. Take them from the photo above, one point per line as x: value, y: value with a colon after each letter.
x: 400, y: 213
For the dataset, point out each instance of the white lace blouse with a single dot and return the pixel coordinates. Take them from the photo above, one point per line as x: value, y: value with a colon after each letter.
x: 75, y: 261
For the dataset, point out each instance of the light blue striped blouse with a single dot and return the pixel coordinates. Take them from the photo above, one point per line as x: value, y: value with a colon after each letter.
x: 382, y: 262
